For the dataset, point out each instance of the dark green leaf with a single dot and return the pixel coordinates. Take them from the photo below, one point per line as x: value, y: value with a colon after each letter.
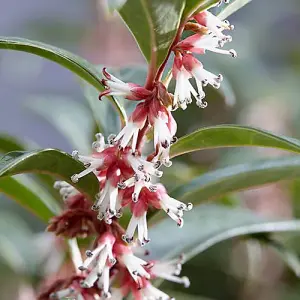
x: 232, y: 7
x: 38, y: 204
x: 49, y: 161
x: 74, y: 63
x: 207, y: 225
x: 239, y: 177
x: 193, y: 6
x: 9, y: 143
x: 154, y: 24
x: 232, y: 136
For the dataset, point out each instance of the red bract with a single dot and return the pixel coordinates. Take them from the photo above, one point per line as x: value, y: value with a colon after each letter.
x: 77, y: 220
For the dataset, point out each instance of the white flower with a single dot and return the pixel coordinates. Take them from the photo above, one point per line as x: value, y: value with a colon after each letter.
x: 134, y: 265
x: 131, y: 131
x: 169, y: 270
x: 108, y: 201
x: 213, y: 23
x: 116, y: 87
x: 99, y: 262
x: 140, y: 223
x: 65, y: 189
x: 171, y: 206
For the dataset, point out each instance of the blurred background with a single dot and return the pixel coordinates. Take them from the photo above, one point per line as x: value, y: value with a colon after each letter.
x: 261, y: 88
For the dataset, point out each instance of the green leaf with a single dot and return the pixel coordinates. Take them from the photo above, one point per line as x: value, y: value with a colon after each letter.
x: 207, y: 225
x: 193, y: 6
x: 49, y: 161
x: 74, y: 63
x: 9, y: 143
x: 239, y: 177
x: 71, y: 118
x: 38, y: 204
x: 154, y: 24
x: 232, y: 7
x: 232, y: 136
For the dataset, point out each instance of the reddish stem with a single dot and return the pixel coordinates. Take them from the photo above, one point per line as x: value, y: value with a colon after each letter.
x: 176, y: 40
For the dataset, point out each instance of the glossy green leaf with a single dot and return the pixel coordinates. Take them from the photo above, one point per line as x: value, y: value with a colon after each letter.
x: 9, y: 143
x: 232, y: 7
x: 154, y: 24
x: 232, y: 136
x: 74, y: 63
x: 37, y: 204
x: 193, y: 6
x: 49, y: 161
x: 207, y: 225
x: 71, y: 118
x: 239, y: 177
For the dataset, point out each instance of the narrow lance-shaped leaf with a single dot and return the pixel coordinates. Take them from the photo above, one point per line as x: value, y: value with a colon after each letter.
x: 207, y: 225
x: 232, y: 136
x: 239, y: 177
x: 74, y: 63
x: 49, y: 161
x: 27, y: 198
x: 154, y: 24
x: 9, y: 144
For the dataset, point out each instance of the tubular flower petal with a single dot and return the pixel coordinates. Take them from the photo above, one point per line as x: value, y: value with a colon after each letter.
x: 116, y: 87
x: 213, y: 23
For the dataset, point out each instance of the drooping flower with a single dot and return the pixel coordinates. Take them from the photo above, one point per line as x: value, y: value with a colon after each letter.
x: 157, y: 198
x: 164, y: 127
x: 202, y: 76
x: 98, y: 263
x: 199, y: 43
x: 169, y: 270
x: 116, y: 87
x: 213, y: 23
x: 137, y: 275
x: 183, y: 89
x: 136, y: 122
x: 208, y: 36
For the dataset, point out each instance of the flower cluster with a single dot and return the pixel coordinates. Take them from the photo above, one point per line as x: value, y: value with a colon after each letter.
x: 125, y: 180
x: 111, y: 262
x: 208, y: 36
x: 116, y: 265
